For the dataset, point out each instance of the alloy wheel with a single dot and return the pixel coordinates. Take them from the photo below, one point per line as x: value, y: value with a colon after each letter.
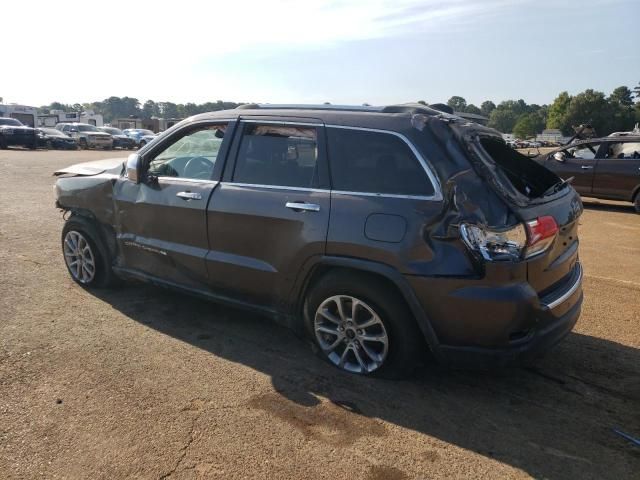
x: 351, y: 334
x: 79, y: 257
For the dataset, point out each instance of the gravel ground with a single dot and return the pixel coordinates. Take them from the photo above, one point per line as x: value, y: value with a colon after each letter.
x: 139, y: 382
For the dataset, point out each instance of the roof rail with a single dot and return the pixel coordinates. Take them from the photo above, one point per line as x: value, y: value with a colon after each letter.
x: 436, y: 109
x: 293, y: 106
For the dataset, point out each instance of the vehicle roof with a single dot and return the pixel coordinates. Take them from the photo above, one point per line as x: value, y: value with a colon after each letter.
x: 75, y: 123
x: 624, y: 139
x: 348, y: 115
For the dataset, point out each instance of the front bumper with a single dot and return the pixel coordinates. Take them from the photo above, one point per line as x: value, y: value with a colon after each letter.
x: 493, y: 326
x: 99, y: 143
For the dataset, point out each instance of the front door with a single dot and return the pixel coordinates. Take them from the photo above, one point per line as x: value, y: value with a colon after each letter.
x: 161, y: 222
x: 578, y: 162
x: 271, y: 213
x: 617, y: 174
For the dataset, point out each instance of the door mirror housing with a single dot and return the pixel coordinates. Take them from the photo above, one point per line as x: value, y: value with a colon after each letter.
x: 558, y: 156
x: 134, y: 168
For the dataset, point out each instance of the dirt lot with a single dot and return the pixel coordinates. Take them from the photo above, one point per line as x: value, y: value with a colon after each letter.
x: 139, y: 382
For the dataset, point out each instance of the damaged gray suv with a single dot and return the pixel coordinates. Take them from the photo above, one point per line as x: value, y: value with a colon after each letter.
x: 382, y: 233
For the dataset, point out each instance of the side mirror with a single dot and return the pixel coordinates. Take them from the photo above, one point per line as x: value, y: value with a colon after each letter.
x: 558, y: 156
x: 134, y: 168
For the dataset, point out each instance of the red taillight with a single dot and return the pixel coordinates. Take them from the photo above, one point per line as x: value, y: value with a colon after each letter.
x: 541, y: 233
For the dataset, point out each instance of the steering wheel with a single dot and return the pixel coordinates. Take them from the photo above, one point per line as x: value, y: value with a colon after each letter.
x: 198, y: 167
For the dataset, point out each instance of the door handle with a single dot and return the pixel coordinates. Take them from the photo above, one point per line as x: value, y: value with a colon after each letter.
x: 586, y: 167
x: 189, y: 195
x: 302, y: 206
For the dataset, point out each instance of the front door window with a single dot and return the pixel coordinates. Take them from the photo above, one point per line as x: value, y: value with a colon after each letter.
x: 192, y: 156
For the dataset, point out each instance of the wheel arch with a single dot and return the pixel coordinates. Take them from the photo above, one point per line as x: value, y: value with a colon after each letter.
x: 106, y: 232
x: 321, y: 266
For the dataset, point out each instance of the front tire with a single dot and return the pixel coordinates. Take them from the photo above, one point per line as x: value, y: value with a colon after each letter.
x: 82, y: 144
x: 86, y: 257
x: 360, y: 325
x: 636, y: 203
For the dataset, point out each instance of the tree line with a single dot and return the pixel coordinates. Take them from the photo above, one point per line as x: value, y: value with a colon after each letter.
x: 619, y: 111
x: 125, y: 107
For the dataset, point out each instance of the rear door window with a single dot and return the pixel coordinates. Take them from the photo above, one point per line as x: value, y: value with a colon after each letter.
x: 623, y: 150
x: 365, y: 161
x: 278, y: 155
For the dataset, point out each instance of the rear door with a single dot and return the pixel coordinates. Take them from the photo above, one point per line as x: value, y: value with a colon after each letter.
x: 271, y: 212
x: 617, y: 174
x: 161, y: 222
x: 578, y: 162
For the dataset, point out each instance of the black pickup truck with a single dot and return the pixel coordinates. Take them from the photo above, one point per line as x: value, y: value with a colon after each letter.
x: 14, y: 133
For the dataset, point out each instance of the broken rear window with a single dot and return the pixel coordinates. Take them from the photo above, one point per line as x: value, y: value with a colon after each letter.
x: 525, y: 175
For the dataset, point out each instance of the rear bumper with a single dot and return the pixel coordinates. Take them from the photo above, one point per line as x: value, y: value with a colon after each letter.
x: 542, y: 340
x: 491, y: 326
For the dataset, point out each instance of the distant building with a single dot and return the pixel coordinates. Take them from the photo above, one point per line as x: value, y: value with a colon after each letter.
x: 551, y: 135
x: 154, y: 124
x: 25, y: 114
x: 54, y: 117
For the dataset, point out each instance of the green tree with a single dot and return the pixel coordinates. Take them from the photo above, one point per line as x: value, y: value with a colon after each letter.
x: 471, y: 108
x: 623, y: 96
x: 590, y: 107
x: 487, y: 107
x: 150, y: 109
x: 458, y: 104
x: 503, y: 120
x: 623, y: 114
x: 528, y: 125
x: 558, y: 112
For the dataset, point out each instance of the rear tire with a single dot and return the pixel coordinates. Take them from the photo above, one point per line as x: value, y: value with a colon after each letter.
x: 382, y: 339
x: 85, y: 254
x: 636, y: 203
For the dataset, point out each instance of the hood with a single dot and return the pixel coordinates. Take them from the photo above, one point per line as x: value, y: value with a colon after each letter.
x: 98, y: 134
x: 17, y: 127
x: 110, y: 165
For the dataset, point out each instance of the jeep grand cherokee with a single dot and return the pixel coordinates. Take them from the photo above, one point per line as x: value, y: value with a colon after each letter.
x: 381, y: 232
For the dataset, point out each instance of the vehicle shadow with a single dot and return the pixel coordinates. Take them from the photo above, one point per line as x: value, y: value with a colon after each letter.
x: 592, y: 204
x: 553, y: 421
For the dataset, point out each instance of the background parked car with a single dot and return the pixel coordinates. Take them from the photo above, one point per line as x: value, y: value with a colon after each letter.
x: 88, y: 136
x: 120, y: 140
x: 607, y: 168
x: 14, y: 133
x: 54, y: 139
x: 140, y: 135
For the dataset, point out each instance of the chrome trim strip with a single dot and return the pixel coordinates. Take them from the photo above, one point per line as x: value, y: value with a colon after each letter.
x: 437, y: 191
x: 276, y: 122
x: 188, y: 180
x: 276, y: 187
x: 384, y: 195
x: 568, y: 293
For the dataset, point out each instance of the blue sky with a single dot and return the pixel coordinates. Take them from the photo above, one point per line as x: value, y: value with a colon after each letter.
x: 340, y: 51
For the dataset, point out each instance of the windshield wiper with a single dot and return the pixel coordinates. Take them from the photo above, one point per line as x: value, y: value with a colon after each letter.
x: 556, y: 187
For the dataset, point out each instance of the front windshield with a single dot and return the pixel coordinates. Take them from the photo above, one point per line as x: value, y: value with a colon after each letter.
x: 87, y: 128
x: 10, y: 121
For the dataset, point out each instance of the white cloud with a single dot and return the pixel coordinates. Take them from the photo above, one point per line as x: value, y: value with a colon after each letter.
x: 83, y: 51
